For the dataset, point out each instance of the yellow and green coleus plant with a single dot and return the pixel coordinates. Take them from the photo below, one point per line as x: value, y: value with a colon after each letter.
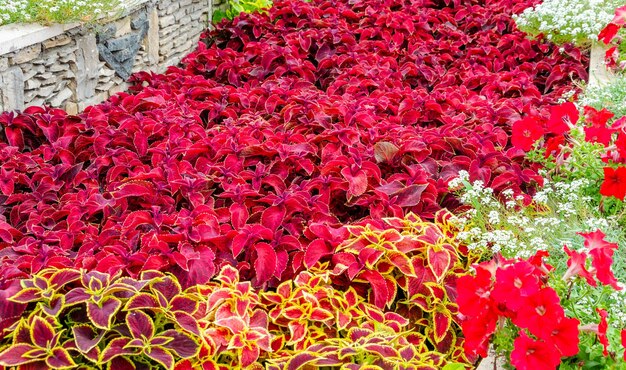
x: 117, y: 322
x: 408, y: 266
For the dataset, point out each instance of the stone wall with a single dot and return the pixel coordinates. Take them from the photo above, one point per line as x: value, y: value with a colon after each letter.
x: 77, y: 66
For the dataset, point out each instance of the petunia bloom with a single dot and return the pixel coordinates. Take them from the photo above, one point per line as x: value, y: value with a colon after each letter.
x: 530, y: 354
x: 525, y: 133
x: 576, y: 266
x: 601, y: 252
x: 614, y: 184
x: 563, y: 333
x: 562, y: 118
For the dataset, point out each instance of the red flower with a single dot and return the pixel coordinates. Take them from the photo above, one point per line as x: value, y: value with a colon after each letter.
x: 540, y: 310
x: 514, y: 284
x: 620, y: 143
x: 623, y: 335
x: 525, y: 133
x: 608, y: 33
x: 601, y: 253
x: 602, y: 327
x: 614, y: 184
x: 598, y: 134
x: 474, y: 293
x: 553, y: 146
x: 576, y: 266
x: 562, y: 117
x: 530, y: 354
x: 477, y: 334
x: 600, y: 330
x: 597, y: 117
x: 564, y: 335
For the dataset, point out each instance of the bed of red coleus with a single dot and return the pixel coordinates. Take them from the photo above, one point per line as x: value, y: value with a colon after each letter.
x: 280, y: 130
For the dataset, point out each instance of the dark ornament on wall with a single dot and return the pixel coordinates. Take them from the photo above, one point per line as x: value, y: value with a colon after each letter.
x: 119, y: 53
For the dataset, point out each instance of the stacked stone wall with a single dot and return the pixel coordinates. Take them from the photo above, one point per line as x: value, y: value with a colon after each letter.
x: 84, y: 65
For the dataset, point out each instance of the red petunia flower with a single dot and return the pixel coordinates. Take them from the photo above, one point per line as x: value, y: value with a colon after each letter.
x: 530, y: 354
x: 600, y: 330
x: 539, y: 310
x: 562, y: 117
x: 563, y: 334
x: 553, y: 146
x: 597, y: 117
x: 614, y: 184
x: 620, y: 144
x: 477, y: 333
x: 576, y: 266
x: 602, y: 327
x: 514, y: 284
x: 601, y: 252
x: 623, y: 335
x: 525, y: 133
x: 608, y: 33
x: 474, y: 293
x: 598, y: 134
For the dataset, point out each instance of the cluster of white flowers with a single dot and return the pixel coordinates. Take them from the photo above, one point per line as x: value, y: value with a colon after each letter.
x: 559, y: 212
x: 610, y: 95
x: 12, y: 11
x: 568, y: 20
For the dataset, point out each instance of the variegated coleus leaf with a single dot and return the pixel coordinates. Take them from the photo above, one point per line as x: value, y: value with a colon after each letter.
x: 37, y: 344
x: 165, y: 296
x: 44, y: 285
x: 102, y: 295
x: 164, y: 347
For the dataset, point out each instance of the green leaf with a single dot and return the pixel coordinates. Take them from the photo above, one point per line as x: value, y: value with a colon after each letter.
x: 454, y: 366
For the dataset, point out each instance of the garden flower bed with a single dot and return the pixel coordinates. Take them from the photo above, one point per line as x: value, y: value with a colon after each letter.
x: 305, y: 191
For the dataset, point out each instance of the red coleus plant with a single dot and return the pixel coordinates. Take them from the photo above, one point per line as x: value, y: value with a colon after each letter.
x: 516, y: 290
x: 320, y: 113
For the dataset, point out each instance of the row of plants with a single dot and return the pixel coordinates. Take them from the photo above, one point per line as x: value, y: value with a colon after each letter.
x: 64, y: 11
x: 74, y: 318
x: 56, y: 11
x: 279, y: 201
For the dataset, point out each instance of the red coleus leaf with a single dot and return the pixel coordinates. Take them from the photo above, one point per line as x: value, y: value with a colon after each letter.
x: 265, y: 264
x: 42, y: 333
x: 59, y: 358
x: 300, y: 360
x: 273, y: 217
x: 86, y: 337
x: 357, y: 181
x: 18, y: 354
x: 117, y: 347
x: 439, y: 262
x: 316, y: 250
x: 442, y: 322
x: 380, y: 291
x: 101, y: 313
x: 385, y: 151
x: 183, y: 345
x: 161, y: 356
x: 140, y: 325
